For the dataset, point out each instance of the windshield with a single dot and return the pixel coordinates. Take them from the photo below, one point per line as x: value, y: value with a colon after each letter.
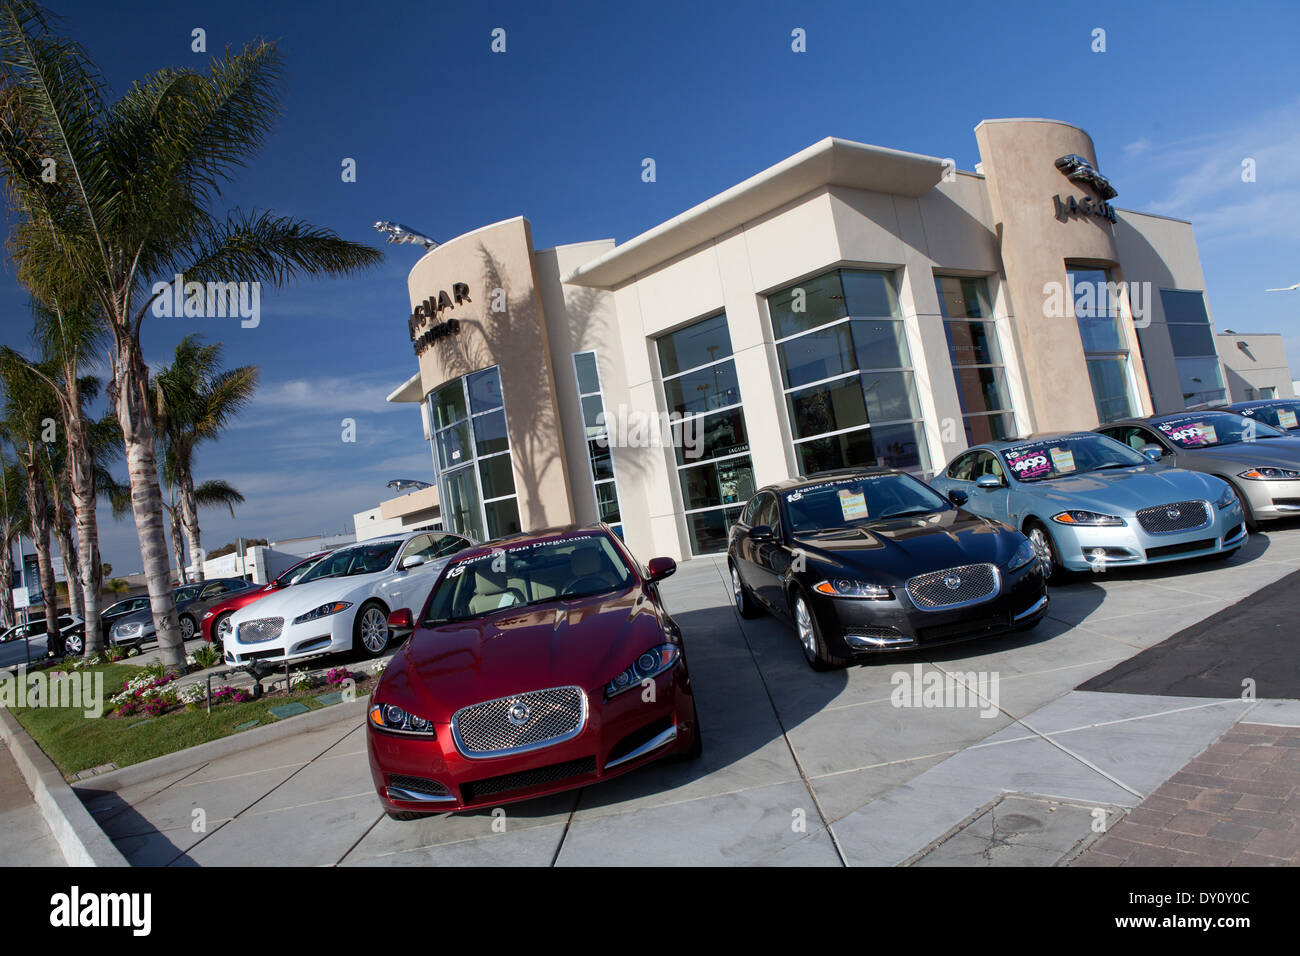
x: 1063, y: 455
x: 851, y: 501
x: 358, y: 559
x: 1212, y: 429
x: 294, y: 575
x: 535, y: 572
x: 1283, y: 415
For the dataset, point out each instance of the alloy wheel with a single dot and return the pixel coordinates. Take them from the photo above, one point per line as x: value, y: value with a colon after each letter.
x: 187, y: 629
x: 374, y: 630
x: 736, y: 592
x: 1043, y: 547
x: 803, y: 624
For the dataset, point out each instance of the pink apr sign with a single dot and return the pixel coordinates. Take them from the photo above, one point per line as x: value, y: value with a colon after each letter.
x: 1029, y: 463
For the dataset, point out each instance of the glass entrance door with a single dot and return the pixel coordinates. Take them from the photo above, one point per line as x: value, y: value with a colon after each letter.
x: 460, y: 504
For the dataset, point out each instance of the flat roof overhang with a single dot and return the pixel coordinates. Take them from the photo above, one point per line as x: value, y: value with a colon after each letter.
x: 829, y: 162
x: 408, y: 391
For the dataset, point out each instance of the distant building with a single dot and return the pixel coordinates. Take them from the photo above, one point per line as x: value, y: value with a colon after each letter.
x: 1255, y: 365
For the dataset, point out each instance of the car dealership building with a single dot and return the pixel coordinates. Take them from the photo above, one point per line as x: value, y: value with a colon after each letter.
x: 852, y: 305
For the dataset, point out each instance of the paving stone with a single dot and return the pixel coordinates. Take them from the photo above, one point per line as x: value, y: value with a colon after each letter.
x: 288, y: 710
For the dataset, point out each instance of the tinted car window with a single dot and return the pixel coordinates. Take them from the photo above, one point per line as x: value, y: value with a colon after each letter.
x: 1212, y: 429
x: 963, y: 468
x: 186, y: 593
x: 1061, y: 455
x: 449, y: 544
x: 850, y: 501
x: 358, y: 559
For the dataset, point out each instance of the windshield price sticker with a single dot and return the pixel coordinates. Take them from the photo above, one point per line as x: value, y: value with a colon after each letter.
x: 853, y: 506
x: 1186, y: 432
x: 1286, y: 419
x: 1063, y: 460
x: 1029, y: 464
x: 809, y: 489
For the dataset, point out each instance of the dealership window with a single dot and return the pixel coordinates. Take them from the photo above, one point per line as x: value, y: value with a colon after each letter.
x: 1199, y: 374
x: 1104, y: 347
x: 714, y: 469
x: 600, y: 459
x: 846, y: 372
x: 472, y: 451
x: 977, y: 363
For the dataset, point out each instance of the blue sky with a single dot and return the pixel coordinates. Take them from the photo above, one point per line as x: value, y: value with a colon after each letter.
x: 449, y: 136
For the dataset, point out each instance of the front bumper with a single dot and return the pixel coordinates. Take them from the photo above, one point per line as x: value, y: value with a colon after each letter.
x: 429, y: 774
x: 326, y: 635
x: 865, y: 627
x: 1098, y: 549
x: 139, y: 637
x: 1270, y: 500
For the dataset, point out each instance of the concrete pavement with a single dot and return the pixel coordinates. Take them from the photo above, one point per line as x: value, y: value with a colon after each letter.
x: 799, y: 767
x: 25, y: 837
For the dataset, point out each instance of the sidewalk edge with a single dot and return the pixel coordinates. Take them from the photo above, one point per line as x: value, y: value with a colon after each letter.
x: 79, y: 837
x: 222, y: 747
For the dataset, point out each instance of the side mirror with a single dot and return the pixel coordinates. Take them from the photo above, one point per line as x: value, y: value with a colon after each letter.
x: 988, y: 481
x: 413, y: 561
x: 958, y: 497
x: 400, y: 622
x: 660, y: 568
x: 761, y: 532
x: 1154, y: 452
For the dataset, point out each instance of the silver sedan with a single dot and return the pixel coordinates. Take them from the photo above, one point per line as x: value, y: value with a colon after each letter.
x: 1262, y: 463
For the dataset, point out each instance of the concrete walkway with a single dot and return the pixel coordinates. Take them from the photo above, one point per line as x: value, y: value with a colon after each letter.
x: 25, y: 839
x: 799, y: 767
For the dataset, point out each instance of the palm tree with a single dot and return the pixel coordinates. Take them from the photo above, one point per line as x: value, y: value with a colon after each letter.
x: 194, y: 402
x: 130, y: 207
x: 210, y: 494
x: 13, y: 524
x: 24, y: 421
x: 68, y: 337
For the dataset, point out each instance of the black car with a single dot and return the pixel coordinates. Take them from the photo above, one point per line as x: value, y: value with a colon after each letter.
x: 874, y: 560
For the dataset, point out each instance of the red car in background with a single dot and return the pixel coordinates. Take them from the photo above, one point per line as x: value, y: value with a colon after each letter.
x: 539, y: 663
x: 218, y: 616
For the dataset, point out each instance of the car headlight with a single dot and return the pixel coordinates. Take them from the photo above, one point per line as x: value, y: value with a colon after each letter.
x: 206, y: 615
x: 325, y: 610
x: 650, y: 664
x: 1270, y: 474
x: 391, y: 717
x: 1090, y: 519
x: 1227, y: 499
x: 849, y: 588
x: 128, y: 630
x: 1024, y: 554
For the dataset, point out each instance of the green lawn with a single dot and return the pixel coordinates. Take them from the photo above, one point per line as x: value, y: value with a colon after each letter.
x: 76, y: 742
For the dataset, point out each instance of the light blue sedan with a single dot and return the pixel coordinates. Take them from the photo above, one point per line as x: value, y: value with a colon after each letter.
x: 1088, y: 502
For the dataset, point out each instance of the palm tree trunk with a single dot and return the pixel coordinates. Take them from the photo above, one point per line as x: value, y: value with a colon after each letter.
x: 131, y: 377
x: 71, y: 566
x: 39, y: 518
x: 190, y: 522
x: 178, y: 542
x: 7, y: 577
x: 83, y: 506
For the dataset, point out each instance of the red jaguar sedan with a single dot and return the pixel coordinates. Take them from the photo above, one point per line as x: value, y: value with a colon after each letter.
x: 539, y: 663
x: 217, y: 618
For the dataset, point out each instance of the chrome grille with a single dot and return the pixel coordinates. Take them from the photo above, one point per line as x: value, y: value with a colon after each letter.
x: 1179, y: 516
x: 527, y: 721
x: 260, y: 630
x: 955, y: 587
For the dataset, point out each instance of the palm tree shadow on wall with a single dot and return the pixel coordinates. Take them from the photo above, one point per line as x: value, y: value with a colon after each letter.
x: 530, y: 413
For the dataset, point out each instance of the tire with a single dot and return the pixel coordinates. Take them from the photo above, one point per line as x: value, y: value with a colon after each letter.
x: 1252, y: 523
x: 811, y: 639
x: 187, y: 622
x: 696, y: 749
x: 217, y: 639
x: 745, y: 605
x: 371, y: 624
x: 1050, y: 557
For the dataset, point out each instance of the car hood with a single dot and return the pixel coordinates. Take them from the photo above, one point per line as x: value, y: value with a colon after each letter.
x: 890, y: 552
x: 1126, y: 491
x: 292, y: 601
x: 241, y: 599
x: 1278, y: 452
x: 587, y: 642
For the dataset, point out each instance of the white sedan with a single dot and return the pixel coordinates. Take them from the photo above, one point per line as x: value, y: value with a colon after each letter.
x: 344, y: 601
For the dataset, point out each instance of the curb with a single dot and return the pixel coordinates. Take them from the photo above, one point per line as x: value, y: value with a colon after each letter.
x: 222, y: 747
x: 79, y: 837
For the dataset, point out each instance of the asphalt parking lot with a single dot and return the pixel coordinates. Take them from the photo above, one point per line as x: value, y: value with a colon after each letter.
x: 799, y: 767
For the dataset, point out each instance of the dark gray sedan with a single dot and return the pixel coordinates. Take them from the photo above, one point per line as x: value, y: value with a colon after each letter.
x: 1262, y: 463
x: 191, y: 601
